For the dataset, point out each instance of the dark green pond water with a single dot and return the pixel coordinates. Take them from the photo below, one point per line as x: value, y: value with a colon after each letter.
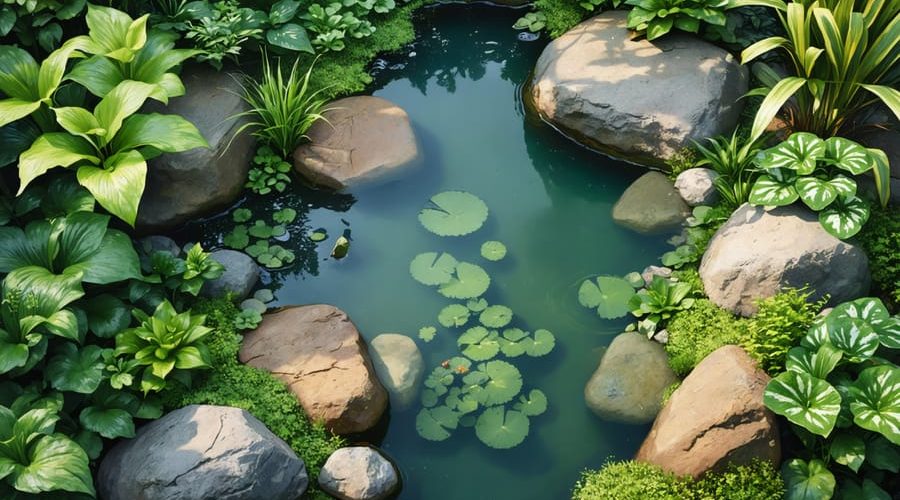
x: 550, y: 203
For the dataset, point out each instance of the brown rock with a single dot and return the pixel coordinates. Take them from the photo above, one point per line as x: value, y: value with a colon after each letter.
x: 361, y: 137
x: 714, y: 418
x: 318, y: 352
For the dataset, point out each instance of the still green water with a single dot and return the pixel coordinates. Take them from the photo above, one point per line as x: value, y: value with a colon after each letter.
x: 550, y: 203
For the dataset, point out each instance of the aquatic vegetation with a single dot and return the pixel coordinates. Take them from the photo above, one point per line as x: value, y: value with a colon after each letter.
x: 269, y: 172
x: 254, y: 238
x: 609, y: 295
x: 483, y: 395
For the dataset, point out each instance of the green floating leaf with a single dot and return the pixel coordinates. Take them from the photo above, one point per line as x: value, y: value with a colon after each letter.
x: 318, y: 235
x: 454, y: 315
x: 242, y: 215
x: 432, y: 269
x: 433, y: 423
x: 260, y: 229
x: 609, y: 295
x: 454, y: 213
x: 427, y: 333
x: 285, y: 216
x: 500, y: 428
x: 543, y: 343
x: 535, y: 404
x: 503, y: 383
x: 477, y: 305
x: 238, y: 238
x: 493, y: 250
x: 469, y: 282
x: 496, y: 316
x: 478, y: 343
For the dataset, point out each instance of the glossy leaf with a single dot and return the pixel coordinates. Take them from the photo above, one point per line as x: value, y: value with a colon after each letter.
x: 807, y: 481
x: 845, y: 217
x: 875, y: 401
x: 76, y: 370
x: 799, y: 153
x: 807, y: 401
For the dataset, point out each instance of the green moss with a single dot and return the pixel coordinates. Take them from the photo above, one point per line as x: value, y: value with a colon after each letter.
x: 268, y: 399
x: 689, y: 274
x: 562, y: 15
x: 667, y: 393
x: 683, y: 159
x: 698, y: 331
x: 757, y: 481
x: 880, y: 238
x: 778, y: 325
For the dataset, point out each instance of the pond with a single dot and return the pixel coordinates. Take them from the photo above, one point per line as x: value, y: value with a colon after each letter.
x: 550, y: 203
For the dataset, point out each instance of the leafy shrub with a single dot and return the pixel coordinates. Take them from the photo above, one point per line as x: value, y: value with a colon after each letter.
x: 35, y: 22
x: 231, y: 383
x: 880, y: 238
x: 732, y: 159
x: 778, y: 325
x: 655, y: 18
x: 560, y: 15
x: 695, y: 333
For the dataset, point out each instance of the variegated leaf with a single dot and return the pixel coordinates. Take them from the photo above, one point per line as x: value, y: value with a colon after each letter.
x: 799, y: 152
x: 847, y: 155
x: 844, y: 186
x: 816, y: 193
x: 853, y: 336
x: 817, y: 335
x: 816, y: 363
x: 805, y: 400
x: 844, y: 217
x: 875, y: 401
x: 866, y: 309
x: 769, y: 190
x: 888, y: 331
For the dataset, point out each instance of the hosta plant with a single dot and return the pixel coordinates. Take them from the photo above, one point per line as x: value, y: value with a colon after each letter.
x: 819, y: 173
x: 841, y: 393
x: 655, y: 18
x: 36, y: 22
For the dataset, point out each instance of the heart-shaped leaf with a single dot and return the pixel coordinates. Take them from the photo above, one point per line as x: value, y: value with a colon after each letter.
x: 875, y: 401
x: 807, y: 401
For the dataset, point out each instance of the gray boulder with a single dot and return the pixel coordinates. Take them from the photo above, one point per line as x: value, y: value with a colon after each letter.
x: 399, y: 366
x: 696, y: 186
x: 651, y: 271
x: 361, y: 138
x: 203, y: 451
x: 241, y: 274
x: 650, y: 205
x: 628, y: 385
x: 634, y: 98
x: 358, y: 473
x: 757, y: 253
x: 183, y: 186
x: 157, y: 243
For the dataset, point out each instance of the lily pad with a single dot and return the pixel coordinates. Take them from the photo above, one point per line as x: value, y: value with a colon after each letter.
x: 264, y: 295
x: 241, y: 215
x: 432, y: 423
x: 493, y: 250
x: 478, y: 343
x: 260, y: 229
x: 431, y: 268
x: 609, y: 295
x: 318, y: 235
x: 503, y: 383
x: 533, y: 405
x: 469, y: 282
x: 285, y: 216
x: 496, y: 316
x: 500, y: 428
x: 426, y: 333
x: 454, y: 315
x: 454, y: 213
x: 477, y: 305
x: 543, y: 343
x: 511, y: 349
x: 238, y: 238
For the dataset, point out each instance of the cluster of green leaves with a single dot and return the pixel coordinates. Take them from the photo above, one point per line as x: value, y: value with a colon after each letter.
x: 336, y: 21
x: 109, y: 146
x: 731, y: 158
x: 474, y: 389
x: 269, y: 172
x: 653, y: 304
x: 170, y: 277
x: 744, y: 26
x: 695, y: 333
x: 841, y: 394
x: 36, y: 22
x: 701, y: 226
x: 252, y: 309
x: 655, y: 18
x: 808, y: 168
x: 230, y: 383
x: 842, y: 55
x: 254, y: 239
x: 881, y: 238
x: 633, y: 480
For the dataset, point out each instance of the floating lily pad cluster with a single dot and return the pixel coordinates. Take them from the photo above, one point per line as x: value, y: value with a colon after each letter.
x: 475, y: 389
x: 254, y: 238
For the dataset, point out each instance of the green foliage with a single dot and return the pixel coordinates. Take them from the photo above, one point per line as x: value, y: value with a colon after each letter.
x: 732, y: 159
x: 843, y: 56
x: 493, y: 250
x: 667, y: 393
x: 283, y: 108
x: 254, y: 239
x: 695, y: 333
x: 780, y: 322
x: 757, y: 481
x: 36, y: 22
x: 269, y: 172
x: 231, y: 383
x: 659, y: 301
x: 560, y: 15
x: 655, y: 18
x: 532, y: 21
x: 701, y: 226
x: 609, y: 295
x: 453, y: 213
x: 681, y: 160
x: 179, y: 279
x: 880, y: 238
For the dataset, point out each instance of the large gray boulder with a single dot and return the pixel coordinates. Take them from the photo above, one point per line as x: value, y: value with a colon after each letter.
x: 650, y: 205
x: 634, y: 98
x: 358, y: 473
x: 757, y: 253
x: 184, y: 186
x: 716, y: 417
x: 203, y: 451
x: 399, y: 366
x: 360, y: 139
x: 240, y: 276
x: 628, y: 385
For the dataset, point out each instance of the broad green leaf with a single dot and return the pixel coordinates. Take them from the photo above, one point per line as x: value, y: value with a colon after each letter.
x: 533, y: 405
x: 97, y: 74
x: 107, y: 315
x: 78, y: 121
x: 496, y: 316
x: 875, y: 401
x: 55, y: 463
x: 807, y: 481
x: 14, y: 109
x: 771, y: 105
x: 476, y: 305
x: 191, y: 357
x: 815, y: 193
x: 56, y: 149
x: 500, y: 428
x: 844, y: 217
x: 843, y: 186
x: 542, y: 343
x: 64, y: 197
x: 53, y: 67
x: 121, y: 102
x: 108, y: 28
x: 117, y: 186
x: 431, y: 425
x: 35, y: 246
x: 74, y: 369
x: 291, y: 37
x: 799, y: 153
x: 283, y: 11
x: 453, y: 213
x: 13, y: 354
x: 770, y: 190
x: 816, y: 363
x: 110, y: 423
x: 847, y: 155
x: 493, y: 250
x: 478, y: 344
x: 115, y: 260
x: 50, y: 293
x: 503, y: 382
x: 609, y: 295
x: 454, y: 315
x: 470, y: 281
x: 847, y: 449
x: 18, y: 74
x: 431, y: 268
x: 807, y: 401
x: 167, y: 133
x: 854, y: 337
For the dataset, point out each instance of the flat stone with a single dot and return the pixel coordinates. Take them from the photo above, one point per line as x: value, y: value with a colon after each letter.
x: 318, y: 352
x: 757, y: 253
x: 361, y: 138
x: 716, y: 417
x: 240, y: 276
x: 650, y: 205
x: 650, y: 272
x: 399, y: 366
x: 358, y: 473
x: 628, y: 385
x: 696, y: 186
x: 202, y: 451
x: 634, y: 98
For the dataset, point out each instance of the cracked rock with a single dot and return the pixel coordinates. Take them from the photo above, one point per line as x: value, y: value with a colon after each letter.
x: 714, y: 418
x: 318, y: 352
x: 360, y: 139
x: 203, y: 451
x: 358, y: 473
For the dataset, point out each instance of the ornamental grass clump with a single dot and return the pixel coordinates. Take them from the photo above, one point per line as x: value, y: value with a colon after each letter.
x: 283, y: 106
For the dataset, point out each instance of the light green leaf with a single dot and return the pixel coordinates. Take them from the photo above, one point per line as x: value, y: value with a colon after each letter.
x: 427, y: 333
x: 453, y: 213
x: 807, y: 481
x: 799, y: 153
x: 476, y: 305
x: 847, y: 155
x: 807, y: 401
x: 875, y: 401
x: 431, y: 268
x: 493, y: 250
x: 816, y: 363
x: 496, y: 316
x: 889, y: 96
x: 55, y: 463
x: 56, y: 149
x: 478, y: 344
x: 844, y: 217
x: 609, y: 295
x: 119, y: 185
x: 815, y: 193
x: 500, y: 428
x: 542, y: 344
x: 777, y: 189
x: 454, y: 315
x: 503, y: 382
x: 469, y: 282
x: 431, y: 425
x: 121, y: 102
x: 166, y: 133
x: 533, y: 405
x: 97, y: 74
x: 14, y: 109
